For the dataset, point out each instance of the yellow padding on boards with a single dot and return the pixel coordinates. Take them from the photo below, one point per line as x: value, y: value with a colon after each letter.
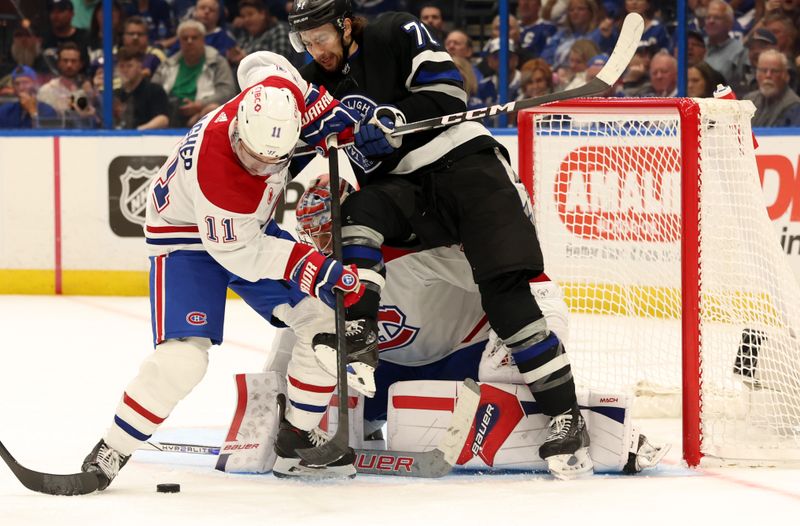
x: 78, y: 282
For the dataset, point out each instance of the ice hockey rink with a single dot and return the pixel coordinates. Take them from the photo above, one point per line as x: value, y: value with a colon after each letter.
x: 66, y: 360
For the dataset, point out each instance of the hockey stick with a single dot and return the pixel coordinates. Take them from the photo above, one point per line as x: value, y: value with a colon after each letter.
x: 338, y: 445
x: 429, y: 464
x: 629, y: 37
x: 74, y: 484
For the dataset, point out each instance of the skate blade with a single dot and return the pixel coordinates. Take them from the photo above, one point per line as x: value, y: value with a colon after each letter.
x: 568, y: 467
x: 360, y: 376
x: 292, y: 468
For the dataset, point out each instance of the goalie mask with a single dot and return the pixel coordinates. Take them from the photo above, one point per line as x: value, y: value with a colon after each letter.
x: 266, y: 130
x: 314, y: 214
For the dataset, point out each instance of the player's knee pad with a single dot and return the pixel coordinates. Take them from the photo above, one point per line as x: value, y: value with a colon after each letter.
x: 508, y: 303
x: 170, y: 373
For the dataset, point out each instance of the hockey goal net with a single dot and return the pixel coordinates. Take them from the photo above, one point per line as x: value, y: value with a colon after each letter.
x: 651, y: 217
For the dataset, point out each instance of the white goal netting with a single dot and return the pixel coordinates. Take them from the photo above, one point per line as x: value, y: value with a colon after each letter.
x: 607, y: 191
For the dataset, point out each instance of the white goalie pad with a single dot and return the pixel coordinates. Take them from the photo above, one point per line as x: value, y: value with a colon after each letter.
x: 508, y: 427
x: 249, y: 445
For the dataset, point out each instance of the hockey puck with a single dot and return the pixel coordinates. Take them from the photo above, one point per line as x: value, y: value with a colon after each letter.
x: 168, y: 488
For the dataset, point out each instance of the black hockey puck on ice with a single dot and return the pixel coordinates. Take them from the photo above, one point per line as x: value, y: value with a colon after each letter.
x: 168, y: 488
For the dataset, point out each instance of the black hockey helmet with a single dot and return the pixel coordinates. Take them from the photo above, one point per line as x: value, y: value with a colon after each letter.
x: 308, y: 14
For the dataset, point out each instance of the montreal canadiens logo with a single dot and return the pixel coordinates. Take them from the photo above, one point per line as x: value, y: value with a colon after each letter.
x: 196, y: 318
x: 365, y: 106
x: 395, y: 333
x: 349, y: 280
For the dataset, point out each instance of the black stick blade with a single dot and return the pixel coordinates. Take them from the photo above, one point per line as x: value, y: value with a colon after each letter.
x: 73, y: 484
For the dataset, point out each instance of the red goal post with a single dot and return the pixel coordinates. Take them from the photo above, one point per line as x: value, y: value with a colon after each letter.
x: 651, y: 218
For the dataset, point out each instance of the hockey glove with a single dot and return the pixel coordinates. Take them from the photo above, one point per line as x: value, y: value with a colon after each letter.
x: 325, y: 116
x: 374, y: 138
x: 318, y: 276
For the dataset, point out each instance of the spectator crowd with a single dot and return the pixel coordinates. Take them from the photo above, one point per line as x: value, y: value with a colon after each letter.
x: 175, y: 60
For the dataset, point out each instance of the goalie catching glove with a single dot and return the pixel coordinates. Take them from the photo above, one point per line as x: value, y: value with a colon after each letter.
x: 374, y: 138
x: 318, y: 276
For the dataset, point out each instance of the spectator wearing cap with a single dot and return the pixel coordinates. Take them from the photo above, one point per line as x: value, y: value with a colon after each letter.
x: 695, y: 47
x: 156, y: 14
x: 663, y: 75
x: 197, y: 78
x: 145, y: 105
x: 60, y: 13
x: 534, y: 32
x: 26, y: 50
x: 261, y: 31
x: 488, y: 88
x: 702, y: 80
x: 776, y: 104
x: 135, y: 38
x: 723, y: 53
x: 759, y: 41
x: 27, y: 110
x: 582, y: 18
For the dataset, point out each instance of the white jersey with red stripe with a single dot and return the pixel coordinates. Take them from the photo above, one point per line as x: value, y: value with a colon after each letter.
x: 204, y: 199
x: 430, y: 307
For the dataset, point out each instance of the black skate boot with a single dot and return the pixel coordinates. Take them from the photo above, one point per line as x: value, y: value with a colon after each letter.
x: 362, y: 353
x: 105, y: 462
x: 566, y: 448
x: 289, y: 465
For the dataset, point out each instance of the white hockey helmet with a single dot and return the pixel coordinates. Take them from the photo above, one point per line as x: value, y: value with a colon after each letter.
x: 267, y: 129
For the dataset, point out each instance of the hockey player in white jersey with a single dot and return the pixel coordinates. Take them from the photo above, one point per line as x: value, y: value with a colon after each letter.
x: 432, y: 327
x: 209, y: 227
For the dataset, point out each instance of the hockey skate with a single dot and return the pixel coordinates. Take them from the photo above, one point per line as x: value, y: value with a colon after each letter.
x: 362, y: 354
x: 646, y: 456
x: 289, y: 465
x: 566, y: 448
x: 105, y: 462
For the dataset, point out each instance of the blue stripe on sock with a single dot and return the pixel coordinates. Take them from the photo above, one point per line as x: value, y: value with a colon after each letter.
x: 361, y: 252
x: 308, y: 407
x: 535, y: 350
x: 132, y: 431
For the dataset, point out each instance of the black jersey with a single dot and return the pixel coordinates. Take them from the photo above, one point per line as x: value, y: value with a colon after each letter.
x: 398, y: 62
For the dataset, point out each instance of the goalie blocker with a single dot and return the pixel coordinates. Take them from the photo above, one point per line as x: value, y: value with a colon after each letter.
x: 506, y: 433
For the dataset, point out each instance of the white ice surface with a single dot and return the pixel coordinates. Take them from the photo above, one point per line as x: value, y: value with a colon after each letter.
x: 66, y: 360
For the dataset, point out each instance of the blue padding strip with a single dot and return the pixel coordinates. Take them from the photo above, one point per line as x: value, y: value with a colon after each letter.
x: 132, y: 431
x: 614, y: 413
x: 362, y: 252
x: 429, y: 77
x: 308, y: 407
x: 536, y: 349
x: 174, y: 241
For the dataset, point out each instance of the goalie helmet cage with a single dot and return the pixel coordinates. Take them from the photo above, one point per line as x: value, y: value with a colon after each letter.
x: 651, y: 217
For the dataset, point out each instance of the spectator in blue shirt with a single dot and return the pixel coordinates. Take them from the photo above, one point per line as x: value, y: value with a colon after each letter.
x: 26, y: 112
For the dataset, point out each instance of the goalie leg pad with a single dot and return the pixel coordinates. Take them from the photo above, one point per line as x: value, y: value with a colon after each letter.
x: 165, y: 378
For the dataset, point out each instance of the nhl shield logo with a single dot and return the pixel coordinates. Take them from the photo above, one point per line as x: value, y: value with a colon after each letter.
x: 133, y: 198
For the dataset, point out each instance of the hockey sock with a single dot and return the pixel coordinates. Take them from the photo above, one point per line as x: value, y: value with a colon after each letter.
x: 545, y: 367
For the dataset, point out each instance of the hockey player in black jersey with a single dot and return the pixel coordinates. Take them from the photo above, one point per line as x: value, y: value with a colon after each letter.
x: 440, y: 187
